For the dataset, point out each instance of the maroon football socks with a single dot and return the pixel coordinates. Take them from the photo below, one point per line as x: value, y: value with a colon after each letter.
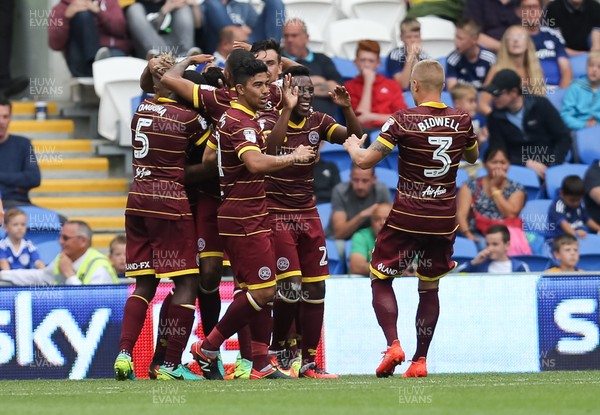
x: 386, y: 308
x: 426, y: 320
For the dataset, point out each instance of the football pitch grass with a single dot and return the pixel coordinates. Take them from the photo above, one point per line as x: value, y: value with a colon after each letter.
x: 464, y: 394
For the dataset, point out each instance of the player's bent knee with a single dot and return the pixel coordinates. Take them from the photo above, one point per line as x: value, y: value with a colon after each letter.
x: 263, y: 296
x: 313, y: 291
x: 146, y: 287
x: 428, y: 285
x: 289, y: 290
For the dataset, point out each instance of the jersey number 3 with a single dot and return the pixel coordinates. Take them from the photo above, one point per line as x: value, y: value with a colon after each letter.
x: 440, y: 154
x: 142, y: 138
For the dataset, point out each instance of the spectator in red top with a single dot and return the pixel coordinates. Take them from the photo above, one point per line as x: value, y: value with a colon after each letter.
x: 86, y: 30
x: 374, y: 97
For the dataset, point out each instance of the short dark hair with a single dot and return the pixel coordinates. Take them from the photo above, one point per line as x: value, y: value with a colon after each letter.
x: 564, y: 239
x: 572, y: 186
x: 492, y: 151
x: 500, y: 229
x: 297, y: 70
x: 247, y: 69
x: 5, y: 101
x: 212, y: 76
x: 265, y: 45
x: 237, y: 57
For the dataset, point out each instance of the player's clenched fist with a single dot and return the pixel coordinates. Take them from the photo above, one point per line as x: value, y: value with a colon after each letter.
x: 303, y: 154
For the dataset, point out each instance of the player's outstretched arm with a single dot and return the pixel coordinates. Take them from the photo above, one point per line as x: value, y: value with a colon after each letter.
x: 277, y: 136
x: 471, y: 155
x: 174, y: 80
x: 365, y: 158
x: 257, y: 162
x: 341, y: 98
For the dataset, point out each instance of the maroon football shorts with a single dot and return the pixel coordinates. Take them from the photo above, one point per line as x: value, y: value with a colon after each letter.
x: 210, y: 243
x: 300, y: 247
x: 395, y: 250
x: 160, y: 247
x: 252, y: 259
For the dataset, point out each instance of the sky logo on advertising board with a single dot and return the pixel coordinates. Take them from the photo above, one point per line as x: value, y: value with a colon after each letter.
x: 60, y: 337
x: 569, y: 323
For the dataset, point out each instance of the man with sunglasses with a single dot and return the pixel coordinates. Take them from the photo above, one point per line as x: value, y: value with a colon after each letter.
x: 76, y: 264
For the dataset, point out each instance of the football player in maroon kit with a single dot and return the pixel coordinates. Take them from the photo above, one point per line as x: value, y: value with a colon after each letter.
x: 299, y: 239
x: 161, y: 242
x: 238, y: 146
x: 432, y: 138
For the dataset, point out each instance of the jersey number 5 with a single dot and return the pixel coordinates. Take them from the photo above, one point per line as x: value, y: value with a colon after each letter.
x: 440, y: 154
x: 142, y: 138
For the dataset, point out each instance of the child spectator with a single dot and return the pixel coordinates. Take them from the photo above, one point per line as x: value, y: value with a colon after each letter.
x: 117, y: 255
x: 16, y: 252
x: 494, y: 258
x: 566, y: 251
x: 581, y: 106
x: 400, y: 61
x: 464, y: 97
x: 567, y: 213
x: 468, y: 63
x: 374, y: 97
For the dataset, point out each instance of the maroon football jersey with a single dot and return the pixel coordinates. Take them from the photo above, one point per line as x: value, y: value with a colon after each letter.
x: 431, y: 139
x: 291, y: 188
x: 243, y: 210
x: 213, y: 102
x: 162, y: 131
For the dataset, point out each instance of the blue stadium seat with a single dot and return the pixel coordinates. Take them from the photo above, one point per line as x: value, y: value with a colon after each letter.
x: 336, y: 264
x: 40, y: 219
x: 336, y: 154
x: 324, y: 210
x: 347, y: 251
x: 535, y: 263
x: 589, y: 262
x: 464, y: 249
x: 461, y: 177
x: 556, y: 174
x: 590, y: 245
x: 42, y: 237
x: 578, y: 65
x: 2, y: 232
x: 588, y: 144
x: 535, y: 216
x: 382, y: 63
x: 345, y: 67
x: 556, y: 96
x: 48, y: 250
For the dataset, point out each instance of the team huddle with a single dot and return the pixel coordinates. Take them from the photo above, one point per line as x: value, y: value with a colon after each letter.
x: 223, y: 164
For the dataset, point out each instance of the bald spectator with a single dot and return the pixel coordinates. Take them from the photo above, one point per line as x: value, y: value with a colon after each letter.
x: 494, y: 17
x: 227, y: 37
x: 324, y: 74
x: 77, y: 263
